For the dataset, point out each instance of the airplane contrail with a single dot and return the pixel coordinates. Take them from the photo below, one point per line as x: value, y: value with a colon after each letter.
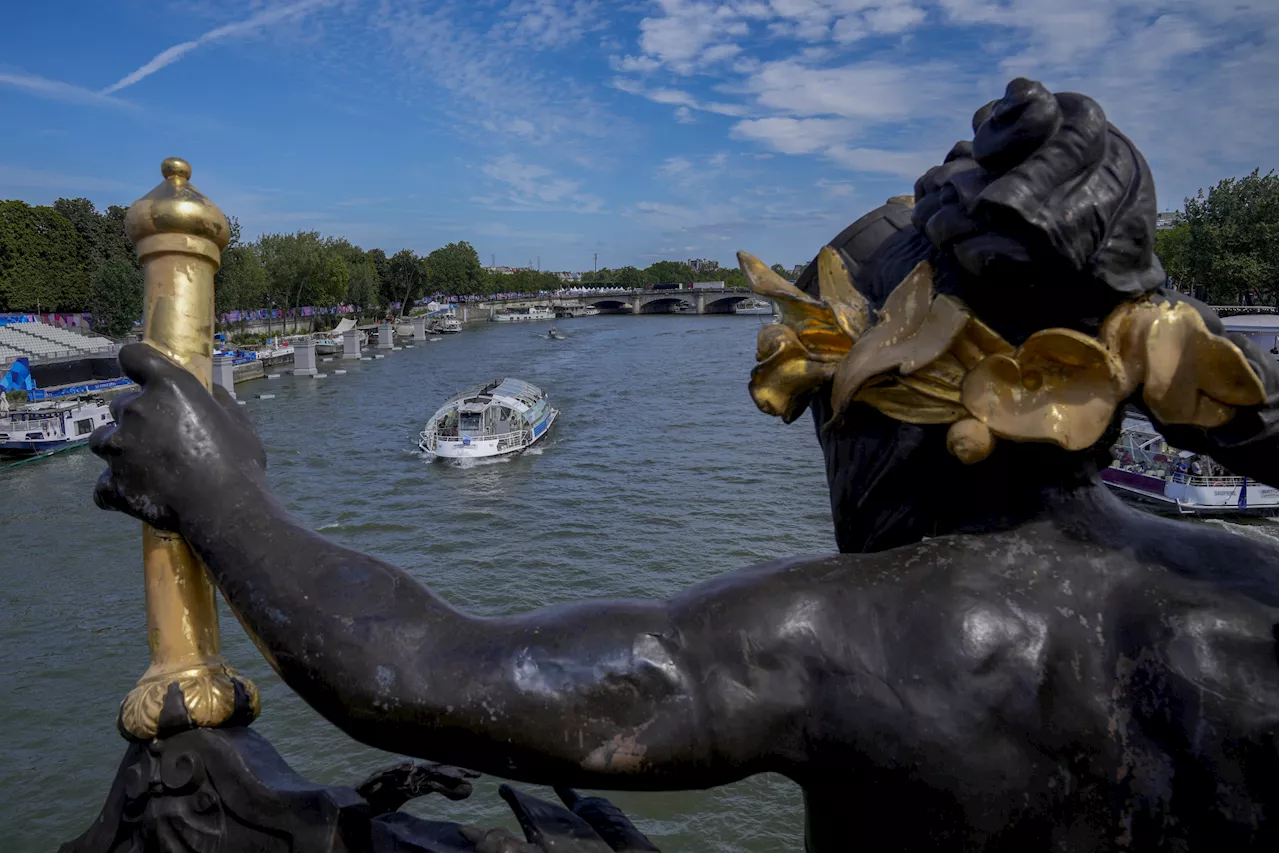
x: 254, y: 22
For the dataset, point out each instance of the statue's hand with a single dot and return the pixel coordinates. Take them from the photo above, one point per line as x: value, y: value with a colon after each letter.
x: 172, y: 443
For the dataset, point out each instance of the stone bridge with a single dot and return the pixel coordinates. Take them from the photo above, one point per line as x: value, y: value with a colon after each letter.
x: 704, y: 301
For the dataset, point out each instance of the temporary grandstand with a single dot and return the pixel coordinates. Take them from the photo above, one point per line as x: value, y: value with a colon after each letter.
x: 42, y: 342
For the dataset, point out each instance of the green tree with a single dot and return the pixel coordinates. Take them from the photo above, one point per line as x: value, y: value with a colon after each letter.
x: 407, y: 276
x: 781, y: 270
x: 294, y: 267
x: 60, y: 284
x: 632, y: 278
x: 382, y: 265
x: 93, y: 247
x: 1228, y: 253
x: 454, y: 270
x: 1173, y: 248
x: 329, y: 278
x: 19, y: 255
x: 117, y: 297
x: 241, y: 282
x: 666, y: 272
x: 362, y: 284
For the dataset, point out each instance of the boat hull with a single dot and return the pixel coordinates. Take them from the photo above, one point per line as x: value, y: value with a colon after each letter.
x: 20, y: 449
x: 1173, y: 498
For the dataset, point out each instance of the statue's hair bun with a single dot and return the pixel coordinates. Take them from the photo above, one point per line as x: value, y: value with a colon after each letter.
x: 1047, y: 192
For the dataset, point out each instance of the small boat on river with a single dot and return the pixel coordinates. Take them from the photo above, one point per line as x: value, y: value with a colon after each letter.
x: 446, y: 325
x: 1149, y: 472
x: 494, y: 419
x: 35, y: 429
x: 327, y: 345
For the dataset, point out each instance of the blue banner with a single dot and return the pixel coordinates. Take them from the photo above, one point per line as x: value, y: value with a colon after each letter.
x: 79, y: 389
x: 18, y: 377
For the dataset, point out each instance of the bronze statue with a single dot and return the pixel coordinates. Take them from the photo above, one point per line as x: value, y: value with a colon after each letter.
x: 1002, y: 657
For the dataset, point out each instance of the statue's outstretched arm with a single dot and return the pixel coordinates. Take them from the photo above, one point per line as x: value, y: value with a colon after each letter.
x: 615, y: 694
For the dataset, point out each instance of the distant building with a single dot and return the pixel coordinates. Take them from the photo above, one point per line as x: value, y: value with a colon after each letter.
x: 702, y: 264
x: 1167, y: 220
x: 568, y: 276
x: 795, y: 272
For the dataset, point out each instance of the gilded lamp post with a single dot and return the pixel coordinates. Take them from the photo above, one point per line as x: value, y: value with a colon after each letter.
x: 179, y: 236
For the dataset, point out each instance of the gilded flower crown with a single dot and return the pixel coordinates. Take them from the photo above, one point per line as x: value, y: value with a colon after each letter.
x: 925, y: 359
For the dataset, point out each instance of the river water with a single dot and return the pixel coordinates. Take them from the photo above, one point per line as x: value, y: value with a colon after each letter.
x: 659, y: 473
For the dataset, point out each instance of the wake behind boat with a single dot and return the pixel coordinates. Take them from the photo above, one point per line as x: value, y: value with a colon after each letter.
x: 494, y: 419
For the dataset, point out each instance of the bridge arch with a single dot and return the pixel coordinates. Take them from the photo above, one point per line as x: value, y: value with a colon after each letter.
x: 663, y: 304
x: 723, y: 304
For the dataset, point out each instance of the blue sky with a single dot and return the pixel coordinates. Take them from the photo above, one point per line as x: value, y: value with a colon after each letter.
x: 635, y: 130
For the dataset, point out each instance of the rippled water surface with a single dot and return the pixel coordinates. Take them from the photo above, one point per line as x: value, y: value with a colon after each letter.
x: 659, y: 473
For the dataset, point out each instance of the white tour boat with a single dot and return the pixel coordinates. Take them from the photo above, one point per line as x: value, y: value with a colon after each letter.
x: 571, y: 311
x: 446, y: 324
x: 523, y: 315
x: 496, y: 418
x: 1147, y: 471
x: 33, y: 429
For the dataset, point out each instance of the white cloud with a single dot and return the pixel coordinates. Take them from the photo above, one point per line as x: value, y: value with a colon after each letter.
x: 677, y: 97
x: 549, y: 23
x: 876, y: 90
x: 254, y: 23
x: 829, y: 137
x: 835, y: 189
x: 673, y: 166
x: 894, y: 18
x: 488, y: 82
x: 634, y: 64
x: 528, y: 186
x: 902, y: 164
x: 681, y: 37
x: 794, y: 135
x: 684, y: 115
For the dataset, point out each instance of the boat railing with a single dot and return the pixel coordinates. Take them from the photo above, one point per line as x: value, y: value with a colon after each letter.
x: 1218, y: 482
x: 505, y: 440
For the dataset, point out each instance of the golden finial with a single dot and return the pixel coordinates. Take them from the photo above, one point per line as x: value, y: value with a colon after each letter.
x: 176, y: 209
x: 179, y: 236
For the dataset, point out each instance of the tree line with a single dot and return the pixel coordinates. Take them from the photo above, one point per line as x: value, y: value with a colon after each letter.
x: 666, y: 272
x: 1224, y: 244
x: 70, y: 257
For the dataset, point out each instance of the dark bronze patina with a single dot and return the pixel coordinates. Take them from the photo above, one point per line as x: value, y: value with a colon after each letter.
x: 1002, y: 657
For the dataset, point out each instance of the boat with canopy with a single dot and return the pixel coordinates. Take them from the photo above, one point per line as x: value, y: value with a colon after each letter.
x: 493, y: 419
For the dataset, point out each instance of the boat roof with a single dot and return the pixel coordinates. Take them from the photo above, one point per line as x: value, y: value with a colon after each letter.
x: 516, y: 393
x: 1252, y: 323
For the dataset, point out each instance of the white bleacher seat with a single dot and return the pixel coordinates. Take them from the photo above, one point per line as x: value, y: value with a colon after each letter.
x: 40, y: 340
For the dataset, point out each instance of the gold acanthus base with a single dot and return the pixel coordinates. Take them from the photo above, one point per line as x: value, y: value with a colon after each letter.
x: 212, y: 695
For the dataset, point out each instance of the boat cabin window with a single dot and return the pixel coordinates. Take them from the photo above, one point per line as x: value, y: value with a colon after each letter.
x: 470, y: 421
x: 84, y: 426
